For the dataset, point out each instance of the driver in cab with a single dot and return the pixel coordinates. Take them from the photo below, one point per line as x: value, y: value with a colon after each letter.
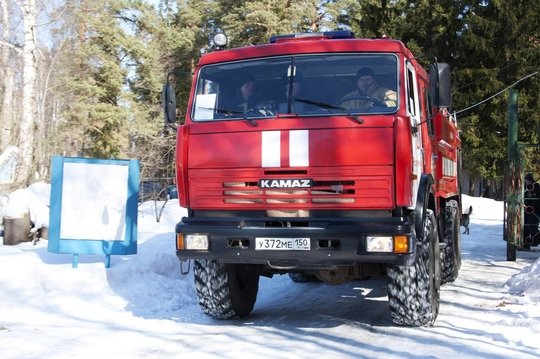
x: 250, y: 102
x: 368, y: 93
x: 247, y: 96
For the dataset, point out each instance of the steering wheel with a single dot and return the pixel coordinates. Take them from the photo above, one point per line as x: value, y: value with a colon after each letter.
x: 265, y: 109
x: 375, y: 101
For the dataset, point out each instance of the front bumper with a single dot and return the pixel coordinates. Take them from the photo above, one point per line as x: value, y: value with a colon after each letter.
x: 334, y: 241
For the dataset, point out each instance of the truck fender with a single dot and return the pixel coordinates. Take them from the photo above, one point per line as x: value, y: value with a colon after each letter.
x: 424, y: 196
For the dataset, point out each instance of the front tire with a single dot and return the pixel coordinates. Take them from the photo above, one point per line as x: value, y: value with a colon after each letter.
x: 413, y: 291
x: 303, y: 277
x: 225, y: 290
x: 451, y: 253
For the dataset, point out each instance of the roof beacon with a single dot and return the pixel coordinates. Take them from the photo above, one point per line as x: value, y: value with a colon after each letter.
x: 341, y: 34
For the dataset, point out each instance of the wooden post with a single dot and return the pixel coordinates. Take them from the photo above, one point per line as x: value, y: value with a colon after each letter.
x: 513, y: 231
x: 17, y: 230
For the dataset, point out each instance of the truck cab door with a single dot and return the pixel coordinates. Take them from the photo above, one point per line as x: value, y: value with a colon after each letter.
x: 413, y: 112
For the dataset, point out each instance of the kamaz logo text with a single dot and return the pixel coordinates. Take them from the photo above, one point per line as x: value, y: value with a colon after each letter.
x: 288, y: 183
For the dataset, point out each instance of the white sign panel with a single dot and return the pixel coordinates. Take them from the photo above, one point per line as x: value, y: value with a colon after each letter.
x: 94, y: 200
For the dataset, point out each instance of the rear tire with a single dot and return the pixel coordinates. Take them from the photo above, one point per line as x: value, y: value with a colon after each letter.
x: 451, y: 253
x: 225, y: 290
x: 413, y: 291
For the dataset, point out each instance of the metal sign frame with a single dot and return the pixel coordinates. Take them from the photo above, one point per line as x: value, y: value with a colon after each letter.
x: 93, y: 207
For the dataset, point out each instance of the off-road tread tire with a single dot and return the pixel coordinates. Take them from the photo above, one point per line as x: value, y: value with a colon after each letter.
x: 451, y: 254
x: 413, y: 291
x: 303, y: 278
x: 221, y: 294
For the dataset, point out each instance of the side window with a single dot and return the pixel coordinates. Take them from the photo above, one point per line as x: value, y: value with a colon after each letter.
x: 206, y: 100
x: 412, y: 93
x: 429, y: 114
x: 206, y: 87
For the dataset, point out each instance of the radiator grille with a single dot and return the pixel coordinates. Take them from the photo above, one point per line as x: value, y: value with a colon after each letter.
x: 322, y: 192
x: 361, y: 187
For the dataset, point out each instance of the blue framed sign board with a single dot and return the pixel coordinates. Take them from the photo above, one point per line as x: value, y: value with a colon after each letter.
x: 93, y: 207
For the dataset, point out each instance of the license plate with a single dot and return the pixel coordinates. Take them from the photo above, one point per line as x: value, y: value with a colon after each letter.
x: 282, y: 244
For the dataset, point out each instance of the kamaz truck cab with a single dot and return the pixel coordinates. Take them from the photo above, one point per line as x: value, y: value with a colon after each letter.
x: 286, y: 166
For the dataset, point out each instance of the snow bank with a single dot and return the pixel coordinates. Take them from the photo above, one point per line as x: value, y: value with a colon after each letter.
x: 34, y: 200
x: 527, y: 282
x: 485, y: 210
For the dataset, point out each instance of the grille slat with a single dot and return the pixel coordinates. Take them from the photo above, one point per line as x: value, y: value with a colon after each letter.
x: 322, y: 192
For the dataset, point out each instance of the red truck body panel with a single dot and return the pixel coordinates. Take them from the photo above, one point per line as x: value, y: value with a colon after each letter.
x: 365, y: 166
x: 371, y: 161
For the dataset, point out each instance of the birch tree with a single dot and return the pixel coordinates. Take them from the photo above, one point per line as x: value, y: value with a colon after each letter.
x: 29, y: 105
x: 7, y: 74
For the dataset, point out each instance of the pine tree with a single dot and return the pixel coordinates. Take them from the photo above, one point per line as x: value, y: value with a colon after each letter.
x: 367, y: 19
x: 499, y: 45
x: 155, y: 42
x: 94, y: 75
x: 253, y: 22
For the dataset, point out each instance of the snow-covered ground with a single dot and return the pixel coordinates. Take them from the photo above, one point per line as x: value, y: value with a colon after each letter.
x: 143, y: 307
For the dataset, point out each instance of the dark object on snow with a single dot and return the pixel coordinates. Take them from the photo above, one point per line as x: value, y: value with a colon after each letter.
x: 43, y: 233
x: 465, y: 220
x: 172, y: 192
x: 17, y: 230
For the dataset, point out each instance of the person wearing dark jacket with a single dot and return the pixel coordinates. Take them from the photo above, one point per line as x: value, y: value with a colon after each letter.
x: 367, y: 88
x: 247, y: 93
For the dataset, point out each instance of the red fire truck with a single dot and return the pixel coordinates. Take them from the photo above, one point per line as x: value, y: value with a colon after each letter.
x: 287, y: 165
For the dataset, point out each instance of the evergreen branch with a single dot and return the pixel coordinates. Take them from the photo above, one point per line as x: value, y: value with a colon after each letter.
x: 512, y: 63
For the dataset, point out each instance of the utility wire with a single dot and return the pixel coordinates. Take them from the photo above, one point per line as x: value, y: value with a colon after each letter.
x: 497, y: 94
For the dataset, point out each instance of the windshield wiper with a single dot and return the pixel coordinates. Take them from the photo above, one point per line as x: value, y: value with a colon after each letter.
x: 329, y: 106
x: 230, y: 112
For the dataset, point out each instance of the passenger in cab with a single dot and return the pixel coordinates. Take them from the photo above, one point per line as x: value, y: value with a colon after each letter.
x: 368, y: 93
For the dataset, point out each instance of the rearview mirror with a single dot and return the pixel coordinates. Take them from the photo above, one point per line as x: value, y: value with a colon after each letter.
x: 441, y: 88
x: 169, y: 103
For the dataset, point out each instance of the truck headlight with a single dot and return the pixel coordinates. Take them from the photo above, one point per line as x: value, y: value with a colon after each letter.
x: 192, y: 242
x: 388, y: 244
x: 379, y: 244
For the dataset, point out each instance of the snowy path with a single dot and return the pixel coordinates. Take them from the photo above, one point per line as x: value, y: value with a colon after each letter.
x: 143, y: 308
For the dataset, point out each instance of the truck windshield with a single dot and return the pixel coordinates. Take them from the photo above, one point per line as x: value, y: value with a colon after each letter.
x: 307, y: 85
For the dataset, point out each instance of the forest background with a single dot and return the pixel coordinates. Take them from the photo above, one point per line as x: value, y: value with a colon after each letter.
x: 84, y: 77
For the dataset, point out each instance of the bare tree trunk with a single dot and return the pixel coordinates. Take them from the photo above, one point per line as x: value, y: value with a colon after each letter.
x: 46, y: 116
x: 7, y: 74
x: 29, y: 104
x: 6, y: 137
x: 472, y: 185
